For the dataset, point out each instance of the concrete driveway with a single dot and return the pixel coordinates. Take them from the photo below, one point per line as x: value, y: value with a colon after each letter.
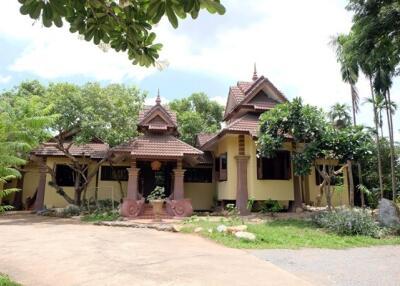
x: 366, y: 266
x: 47, y: 251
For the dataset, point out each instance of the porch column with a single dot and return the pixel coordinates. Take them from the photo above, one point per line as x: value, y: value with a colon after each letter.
x: 132, y: 192
x: 39, y: 202
x: 242, y: 194
x: 178, y: 181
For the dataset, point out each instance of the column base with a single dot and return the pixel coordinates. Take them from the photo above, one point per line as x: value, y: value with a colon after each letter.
x: 179, y: 208
x: 132, y: 208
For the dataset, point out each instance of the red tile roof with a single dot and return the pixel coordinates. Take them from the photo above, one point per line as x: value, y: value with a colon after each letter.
x: 93, y: 150
x: 243, y: 89
x: 147, y: 108
x: 247, y: 123
x: 204, y: 137
x: 157, y: 145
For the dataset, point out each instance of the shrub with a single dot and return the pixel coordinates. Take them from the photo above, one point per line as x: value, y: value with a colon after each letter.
x: 348, y: 222
x: 101, y: 216
x: 270, y: 206
x: 71, y: 210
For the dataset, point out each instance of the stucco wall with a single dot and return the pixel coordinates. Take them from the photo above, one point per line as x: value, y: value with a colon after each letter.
x: 201, y: 194
x: 227, y: 189
x: 281, y: 190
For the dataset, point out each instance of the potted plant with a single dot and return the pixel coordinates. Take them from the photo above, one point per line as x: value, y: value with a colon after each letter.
x: 156, y: 199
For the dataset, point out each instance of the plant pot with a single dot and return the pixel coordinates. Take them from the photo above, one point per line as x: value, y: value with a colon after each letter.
x: 157, y: 208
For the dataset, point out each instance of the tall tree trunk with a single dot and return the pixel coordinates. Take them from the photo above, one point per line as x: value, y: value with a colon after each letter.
x: 388, y: 104
x: 351, y: 183
x: 377, y: 138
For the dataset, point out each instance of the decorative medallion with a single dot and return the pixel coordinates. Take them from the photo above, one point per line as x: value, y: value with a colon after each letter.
x: 155, y: 165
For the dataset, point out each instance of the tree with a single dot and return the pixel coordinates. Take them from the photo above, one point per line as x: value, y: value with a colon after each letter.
x: 376, y: 34
x: 339, y: 115
x: 23, y: 124
x: 196, y: 114
x: 88, y: 112
x: 312, y: 138
x: 123, y: 25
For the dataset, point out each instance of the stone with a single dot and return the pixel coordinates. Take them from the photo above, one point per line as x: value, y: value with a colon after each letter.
x: 176, y: 228
x: 299, y: 210
x: 245, y: 235
x: 233, y: 229
x: 198, y: 229
x: 221, y: 228
x: 388, y: 213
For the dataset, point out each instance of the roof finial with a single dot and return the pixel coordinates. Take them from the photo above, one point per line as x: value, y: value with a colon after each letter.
x: 158, y: 99
x: 255, y: 76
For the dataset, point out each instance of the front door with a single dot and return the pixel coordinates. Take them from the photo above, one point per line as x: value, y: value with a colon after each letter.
x: 149, y: 179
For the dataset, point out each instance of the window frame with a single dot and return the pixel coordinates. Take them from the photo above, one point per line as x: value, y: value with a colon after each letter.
x: 209, y: 176
x: 223, y: 172
x: 72, y: 172
x: 113, y: 179
x: 287, y: 175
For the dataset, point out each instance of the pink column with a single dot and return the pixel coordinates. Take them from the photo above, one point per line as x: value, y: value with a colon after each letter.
x: 39, y: 202
x: 242, y: 194
x: 178, y: 181
x: 133, y: 172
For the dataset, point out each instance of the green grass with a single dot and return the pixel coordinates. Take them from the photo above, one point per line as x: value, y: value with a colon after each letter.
x: 6, y: 281
x: 95, y: 217
x: 292, y: 233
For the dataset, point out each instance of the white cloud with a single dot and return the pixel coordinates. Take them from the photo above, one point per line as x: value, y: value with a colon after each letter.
x: 220, y: 99
x: 54, y: 53
x: 5, y: 79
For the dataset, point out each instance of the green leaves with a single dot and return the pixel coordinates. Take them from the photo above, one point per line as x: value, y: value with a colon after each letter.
x: 125, y: 27
x: 313, y: 136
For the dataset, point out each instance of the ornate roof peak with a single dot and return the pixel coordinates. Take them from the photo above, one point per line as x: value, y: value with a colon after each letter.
x: 158, y: 99
x: 255, y: 76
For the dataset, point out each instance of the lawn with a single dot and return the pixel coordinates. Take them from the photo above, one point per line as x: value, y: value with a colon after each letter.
x: 291, y: 233
x: 6, y: 281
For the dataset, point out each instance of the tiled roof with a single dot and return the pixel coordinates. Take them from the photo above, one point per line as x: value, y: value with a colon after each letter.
x: 147, y: 108
x: 247, y: 123
x: 157, y: 145
x: 204, y: 137
x: 93, y: 150
x: 243, y: 88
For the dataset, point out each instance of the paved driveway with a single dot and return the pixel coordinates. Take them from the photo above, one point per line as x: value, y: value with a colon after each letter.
x: 355, y: 267
x: 45, y: 251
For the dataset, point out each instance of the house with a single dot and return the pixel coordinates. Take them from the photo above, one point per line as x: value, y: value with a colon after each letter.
x: 221, y: 168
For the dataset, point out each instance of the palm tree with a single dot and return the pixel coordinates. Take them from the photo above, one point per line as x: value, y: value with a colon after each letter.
x: 349, y: 70
x: 339, y: 115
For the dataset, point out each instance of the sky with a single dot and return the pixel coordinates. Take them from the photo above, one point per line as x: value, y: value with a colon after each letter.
x: 287, y: 39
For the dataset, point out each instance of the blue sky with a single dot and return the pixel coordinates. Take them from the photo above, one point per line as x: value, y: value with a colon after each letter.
x: 289, y: 41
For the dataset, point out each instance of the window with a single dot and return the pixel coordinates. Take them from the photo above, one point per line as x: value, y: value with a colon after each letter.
x: 217, y: 164
x: 335, y: 180
x: 276, y: 168
x: 65, y: 176
x: 223, y: 163
x: 198, y: 175
x: 109, y: 173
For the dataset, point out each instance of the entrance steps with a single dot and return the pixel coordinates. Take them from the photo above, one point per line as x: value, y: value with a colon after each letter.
x: 148, y: 213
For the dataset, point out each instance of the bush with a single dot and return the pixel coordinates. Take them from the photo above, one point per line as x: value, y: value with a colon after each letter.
x: 101, y: 216
x: 270, y: 206
x: 71, y: 210
x: 348, y: 222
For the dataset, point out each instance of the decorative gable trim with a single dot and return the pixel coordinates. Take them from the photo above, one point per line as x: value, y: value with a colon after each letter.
x: 154, y: 112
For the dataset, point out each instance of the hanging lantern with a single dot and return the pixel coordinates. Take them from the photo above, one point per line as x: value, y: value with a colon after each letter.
x: 155, y: 165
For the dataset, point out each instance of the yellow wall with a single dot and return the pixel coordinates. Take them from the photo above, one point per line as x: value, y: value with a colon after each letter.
x: 31, y: 181
x: 201, y: 194
x: 227, y: 189
x: 280, y: 190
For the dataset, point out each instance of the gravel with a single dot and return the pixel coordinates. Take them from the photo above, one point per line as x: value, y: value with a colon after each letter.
x: 356, y: 266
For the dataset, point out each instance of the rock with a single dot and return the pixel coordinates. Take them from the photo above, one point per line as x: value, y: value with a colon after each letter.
x: 245, y: 235
x: 198, y: 229
x: 388, y: 214
x: 299, y: 210
x: 233, y: 229
x: 176, y: 228
x: 221, y: 228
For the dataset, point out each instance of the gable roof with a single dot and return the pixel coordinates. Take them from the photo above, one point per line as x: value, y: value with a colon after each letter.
x: 244, y: 91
